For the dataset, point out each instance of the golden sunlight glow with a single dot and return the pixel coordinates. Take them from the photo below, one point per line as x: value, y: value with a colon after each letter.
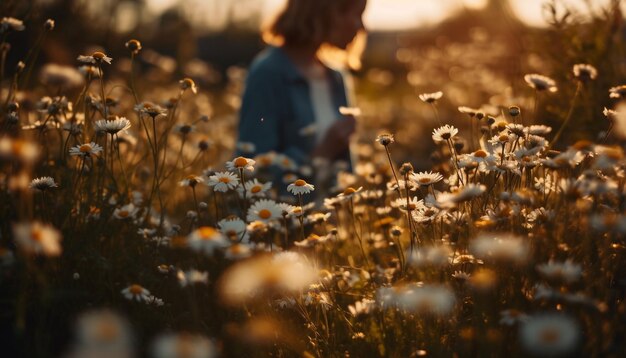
x: 380, y: 15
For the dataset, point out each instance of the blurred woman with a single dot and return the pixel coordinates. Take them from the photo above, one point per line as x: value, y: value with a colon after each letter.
x: 292, y: 97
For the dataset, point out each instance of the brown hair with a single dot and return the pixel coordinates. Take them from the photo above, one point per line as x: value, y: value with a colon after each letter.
x: 308, y: 22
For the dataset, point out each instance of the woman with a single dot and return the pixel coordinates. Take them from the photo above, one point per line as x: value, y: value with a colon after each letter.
x: 291, y: 101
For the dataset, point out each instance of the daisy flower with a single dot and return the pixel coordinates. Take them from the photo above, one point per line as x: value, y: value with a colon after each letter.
x: 584, y: 72
x: 223, y: 181
x: 563, y: 271
x: 468, y: 110
x: 43, y: 183
x: 284, y: 272
x: 264, y: 210
x: 237, y: 251
x: 234, y: 229
x: 413, y: 204
x: 206, y: 239
x: 430, y: 97
x: 112, y: 126
x: 311, y: 241
x: 188, y: 83
x: 254, y: 188
x: 136, y: 292
x: 300, y: 187
x: 18, y: 149
x: 241, y: 163
x: 86, y: 149
x: 434, y: 255
x: 184, y: 129
x: 540, y: 82
x: 425, y: 214
x: 128, y: 211
x: 617, y: 91
x: 426, y: 178
x: 134, y: 46
x: 12, y: 23
x: 362, y: 307
x: 549, y: 334
x: 348, y: 193
x: 103, y: 331
x: 183, y: 345
x: 385, y: 139
x: 246, y: 147
x: 318, y: 218
x: 444, y: 133
x: 37, y: 238
x: 150, y: 109
x: 95, y: 58
x: 424, y: 299
x: 191, y: 181
x: 511, y: 316
x: 501, y: 247
x: 192, y: 277
x: 264, y: 160
x: 284, y: 162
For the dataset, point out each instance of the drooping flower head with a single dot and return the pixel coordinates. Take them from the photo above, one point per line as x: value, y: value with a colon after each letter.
x: 95, y: 58
x: 430, y: 97
x: 540, y: 82
x: 584, y: 72
x: 86, y: 149
x: 241, y: 163
x: 300, y: 187
x: 43, y: 183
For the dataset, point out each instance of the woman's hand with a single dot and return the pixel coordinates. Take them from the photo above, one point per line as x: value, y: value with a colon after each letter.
x: 336, y: 139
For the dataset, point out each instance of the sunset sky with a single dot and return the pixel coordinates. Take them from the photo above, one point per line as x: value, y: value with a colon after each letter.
x: 380, y: 14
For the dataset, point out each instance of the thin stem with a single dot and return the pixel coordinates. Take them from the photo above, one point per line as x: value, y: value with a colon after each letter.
x: 393, y: 170
x: 569, y: 115
x: 132, y: 78
x: 103, y: 99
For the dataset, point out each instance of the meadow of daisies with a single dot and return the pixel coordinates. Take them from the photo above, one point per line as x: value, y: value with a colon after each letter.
x: 133, y: 223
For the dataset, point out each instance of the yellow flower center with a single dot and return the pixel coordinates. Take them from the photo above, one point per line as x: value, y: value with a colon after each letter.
x: 549, y: 336
x: 231, y: 233
x: 349, y: 190
x: 98, y: 55
x: 225, y: 180
x: 265, y: 214
x: 188, y: 82
x: 184, y: 347
x: 240, y: 162
x: 480, y: 154
x: 236, y: 249
x: 299, y: 182
x: 136, y: 289
x: 503, y: 138
x: 206, y: 232
x: 85, y: 148
x: 424, y: 180
x: 36, y: 235
x: 107, y: 330
x: 255, y: 189
x: 123, y: 213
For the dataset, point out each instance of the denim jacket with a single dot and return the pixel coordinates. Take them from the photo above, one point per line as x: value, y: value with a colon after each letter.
x: 276, y: 106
